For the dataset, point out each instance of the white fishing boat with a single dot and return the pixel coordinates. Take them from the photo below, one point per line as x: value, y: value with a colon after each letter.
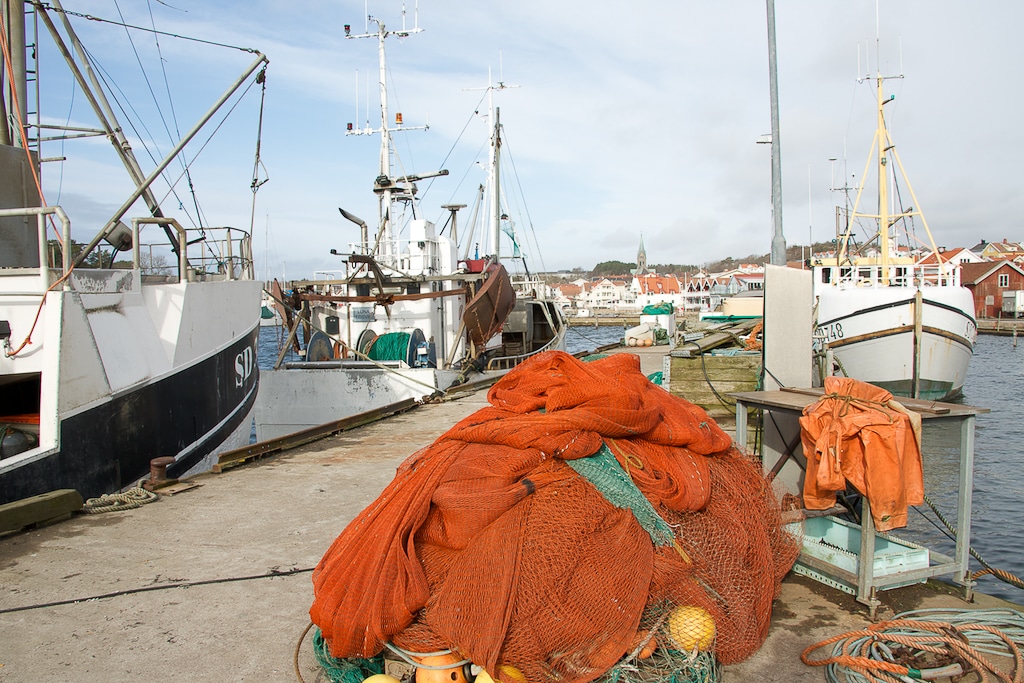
x: 107, y: 365
x: 406, y: 317
x: 883, y: 316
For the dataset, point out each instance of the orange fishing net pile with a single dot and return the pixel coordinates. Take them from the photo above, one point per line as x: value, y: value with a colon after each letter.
x: 488, y: 542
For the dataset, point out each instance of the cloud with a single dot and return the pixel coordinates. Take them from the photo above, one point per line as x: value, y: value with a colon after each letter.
x: 626, y: 119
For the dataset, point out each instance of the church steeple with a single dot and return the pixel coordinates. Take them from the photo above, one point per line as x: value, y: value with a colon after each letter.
x: 641, y: 258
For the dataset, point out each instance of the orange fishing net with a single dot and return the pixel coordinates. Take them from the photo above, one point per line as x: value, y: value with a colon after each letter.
x: 491, y: 543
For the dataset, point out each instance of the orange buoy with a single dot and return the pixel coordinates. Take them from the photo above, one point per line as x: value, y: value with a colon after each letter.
x: 440, y: 669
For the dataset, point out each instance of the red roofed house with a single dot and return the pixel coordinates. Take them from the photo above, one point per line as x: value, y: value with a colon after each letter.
x: 957, y: 257
x: 655, y: 289
x: 990, y: 281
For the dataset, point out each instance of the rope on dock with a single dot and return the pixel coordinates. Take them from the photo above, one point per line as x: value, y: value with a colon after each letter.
x: 112, y: 502
x: 927, y: 644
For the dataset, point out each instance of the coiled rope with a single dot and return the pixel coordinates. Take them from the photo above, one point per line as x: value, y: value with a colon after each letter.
x: 112, y: 502
x: 927, y: 644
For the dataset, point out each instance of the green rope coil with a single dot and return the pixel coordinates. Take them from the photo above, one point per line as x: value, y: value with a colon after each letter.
x: 390, y: 346
x: 353, y: 670
x: 603, y: 471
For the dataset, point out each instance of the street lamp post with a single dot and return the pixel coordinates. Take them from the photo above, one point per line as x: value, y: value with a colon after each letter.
x: 778, y: 253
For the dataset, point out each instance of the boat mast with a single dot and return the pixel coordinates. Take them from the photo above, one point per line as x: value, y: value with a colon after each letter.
x: 384, y: 206
x: 883, y: 182
x: 97, y: 99
x: 493, y: 231
x: 14, y: 95
x: 494, y: 178
x: 386, y: 186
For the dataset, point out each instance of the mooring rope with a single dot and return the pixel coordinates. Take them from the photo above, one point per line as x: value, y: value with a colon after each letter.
x: 1001, y: 574
x: 111, y: 502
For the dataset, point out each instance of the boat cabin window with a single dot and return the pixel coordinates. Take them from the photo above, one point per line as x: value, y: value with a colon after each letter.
x: 826, y: 275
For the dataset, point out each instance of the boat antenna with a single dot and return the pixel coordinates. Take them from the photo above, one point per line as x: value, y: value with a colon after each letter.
x: 387, y: 188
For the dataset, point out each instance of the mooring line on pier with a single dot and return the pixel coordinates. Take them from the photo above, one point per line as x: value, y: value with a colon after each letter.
x: 166, y: 586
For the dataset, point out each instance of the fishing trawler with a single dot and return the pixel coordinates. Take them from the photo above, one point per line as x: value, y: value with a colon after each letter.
x: 108, y: 365
x: 406, y: 317
x: 883, y: 316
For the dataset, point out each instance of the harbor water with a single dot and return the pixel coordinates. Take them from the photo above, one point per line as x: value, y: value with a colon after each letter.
x: 996, y: 373
x: 996, y: 370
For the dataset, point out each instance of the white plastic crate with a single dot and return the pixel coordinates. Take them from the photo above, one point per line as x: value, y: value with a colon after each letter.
x: 837, y: 543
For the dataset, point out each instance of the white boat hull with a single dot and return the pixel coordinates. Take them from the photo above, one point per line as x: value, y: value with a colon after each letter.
x: 284, y: 405
x: 121, y: 373
x: 870, y: 331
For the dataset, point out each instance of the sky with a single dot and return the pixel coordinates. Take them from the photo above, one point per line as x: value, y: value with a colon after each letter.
x: 628, y: 120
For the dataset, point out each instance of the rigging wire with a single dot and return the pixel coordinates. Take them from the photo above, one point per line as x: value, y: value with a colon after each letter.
x: 135, y: 121
x: 90, y: 17
x: 174, y: 114
x: 451, y: 150
x: 526, y: 209
x: 63, y: 140
x: 109, y: 83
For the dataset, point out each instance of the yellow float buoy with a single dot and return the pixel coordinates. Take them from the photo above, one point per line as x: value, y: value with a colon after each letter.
x: 381, y: 678
x: 512, y: 672
x: 690, y: 628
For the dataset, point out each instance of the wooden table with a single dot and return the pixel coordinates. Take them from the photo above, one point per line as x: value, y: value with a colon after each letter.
x: 865, y: 584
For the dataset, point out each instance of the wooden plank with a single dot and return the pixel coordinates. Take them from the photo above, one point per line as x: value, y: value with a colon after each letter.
x: 694, y: 370
x: 38, y: 509
x: 917, y: 405
x: 734, y: 333
x: 701, y: 380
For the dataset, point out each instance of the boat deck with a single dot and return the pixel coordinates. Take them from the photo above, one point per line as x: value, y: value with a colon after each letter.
x: 213, y: 583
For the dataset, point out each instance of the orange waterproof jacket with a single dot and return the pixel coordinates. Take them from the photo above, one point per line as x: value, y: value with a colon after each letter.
x: 857, y: 433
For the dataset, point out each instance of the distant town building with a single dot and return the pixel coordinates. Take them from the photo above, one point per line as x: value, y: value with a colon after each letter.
x: 990, y: 282
x: 992, y: 251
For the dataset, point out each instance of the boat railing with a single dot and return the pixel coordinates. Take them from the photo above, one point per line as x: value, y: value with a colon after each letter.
x: 202, y: 254
x: 500, y: 363
x: 41, y: 261
x: 898, y: 275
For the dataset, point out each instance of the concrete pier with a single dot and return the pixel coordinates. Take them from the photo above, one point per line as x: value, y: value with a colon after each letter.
x: 213, y: 583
